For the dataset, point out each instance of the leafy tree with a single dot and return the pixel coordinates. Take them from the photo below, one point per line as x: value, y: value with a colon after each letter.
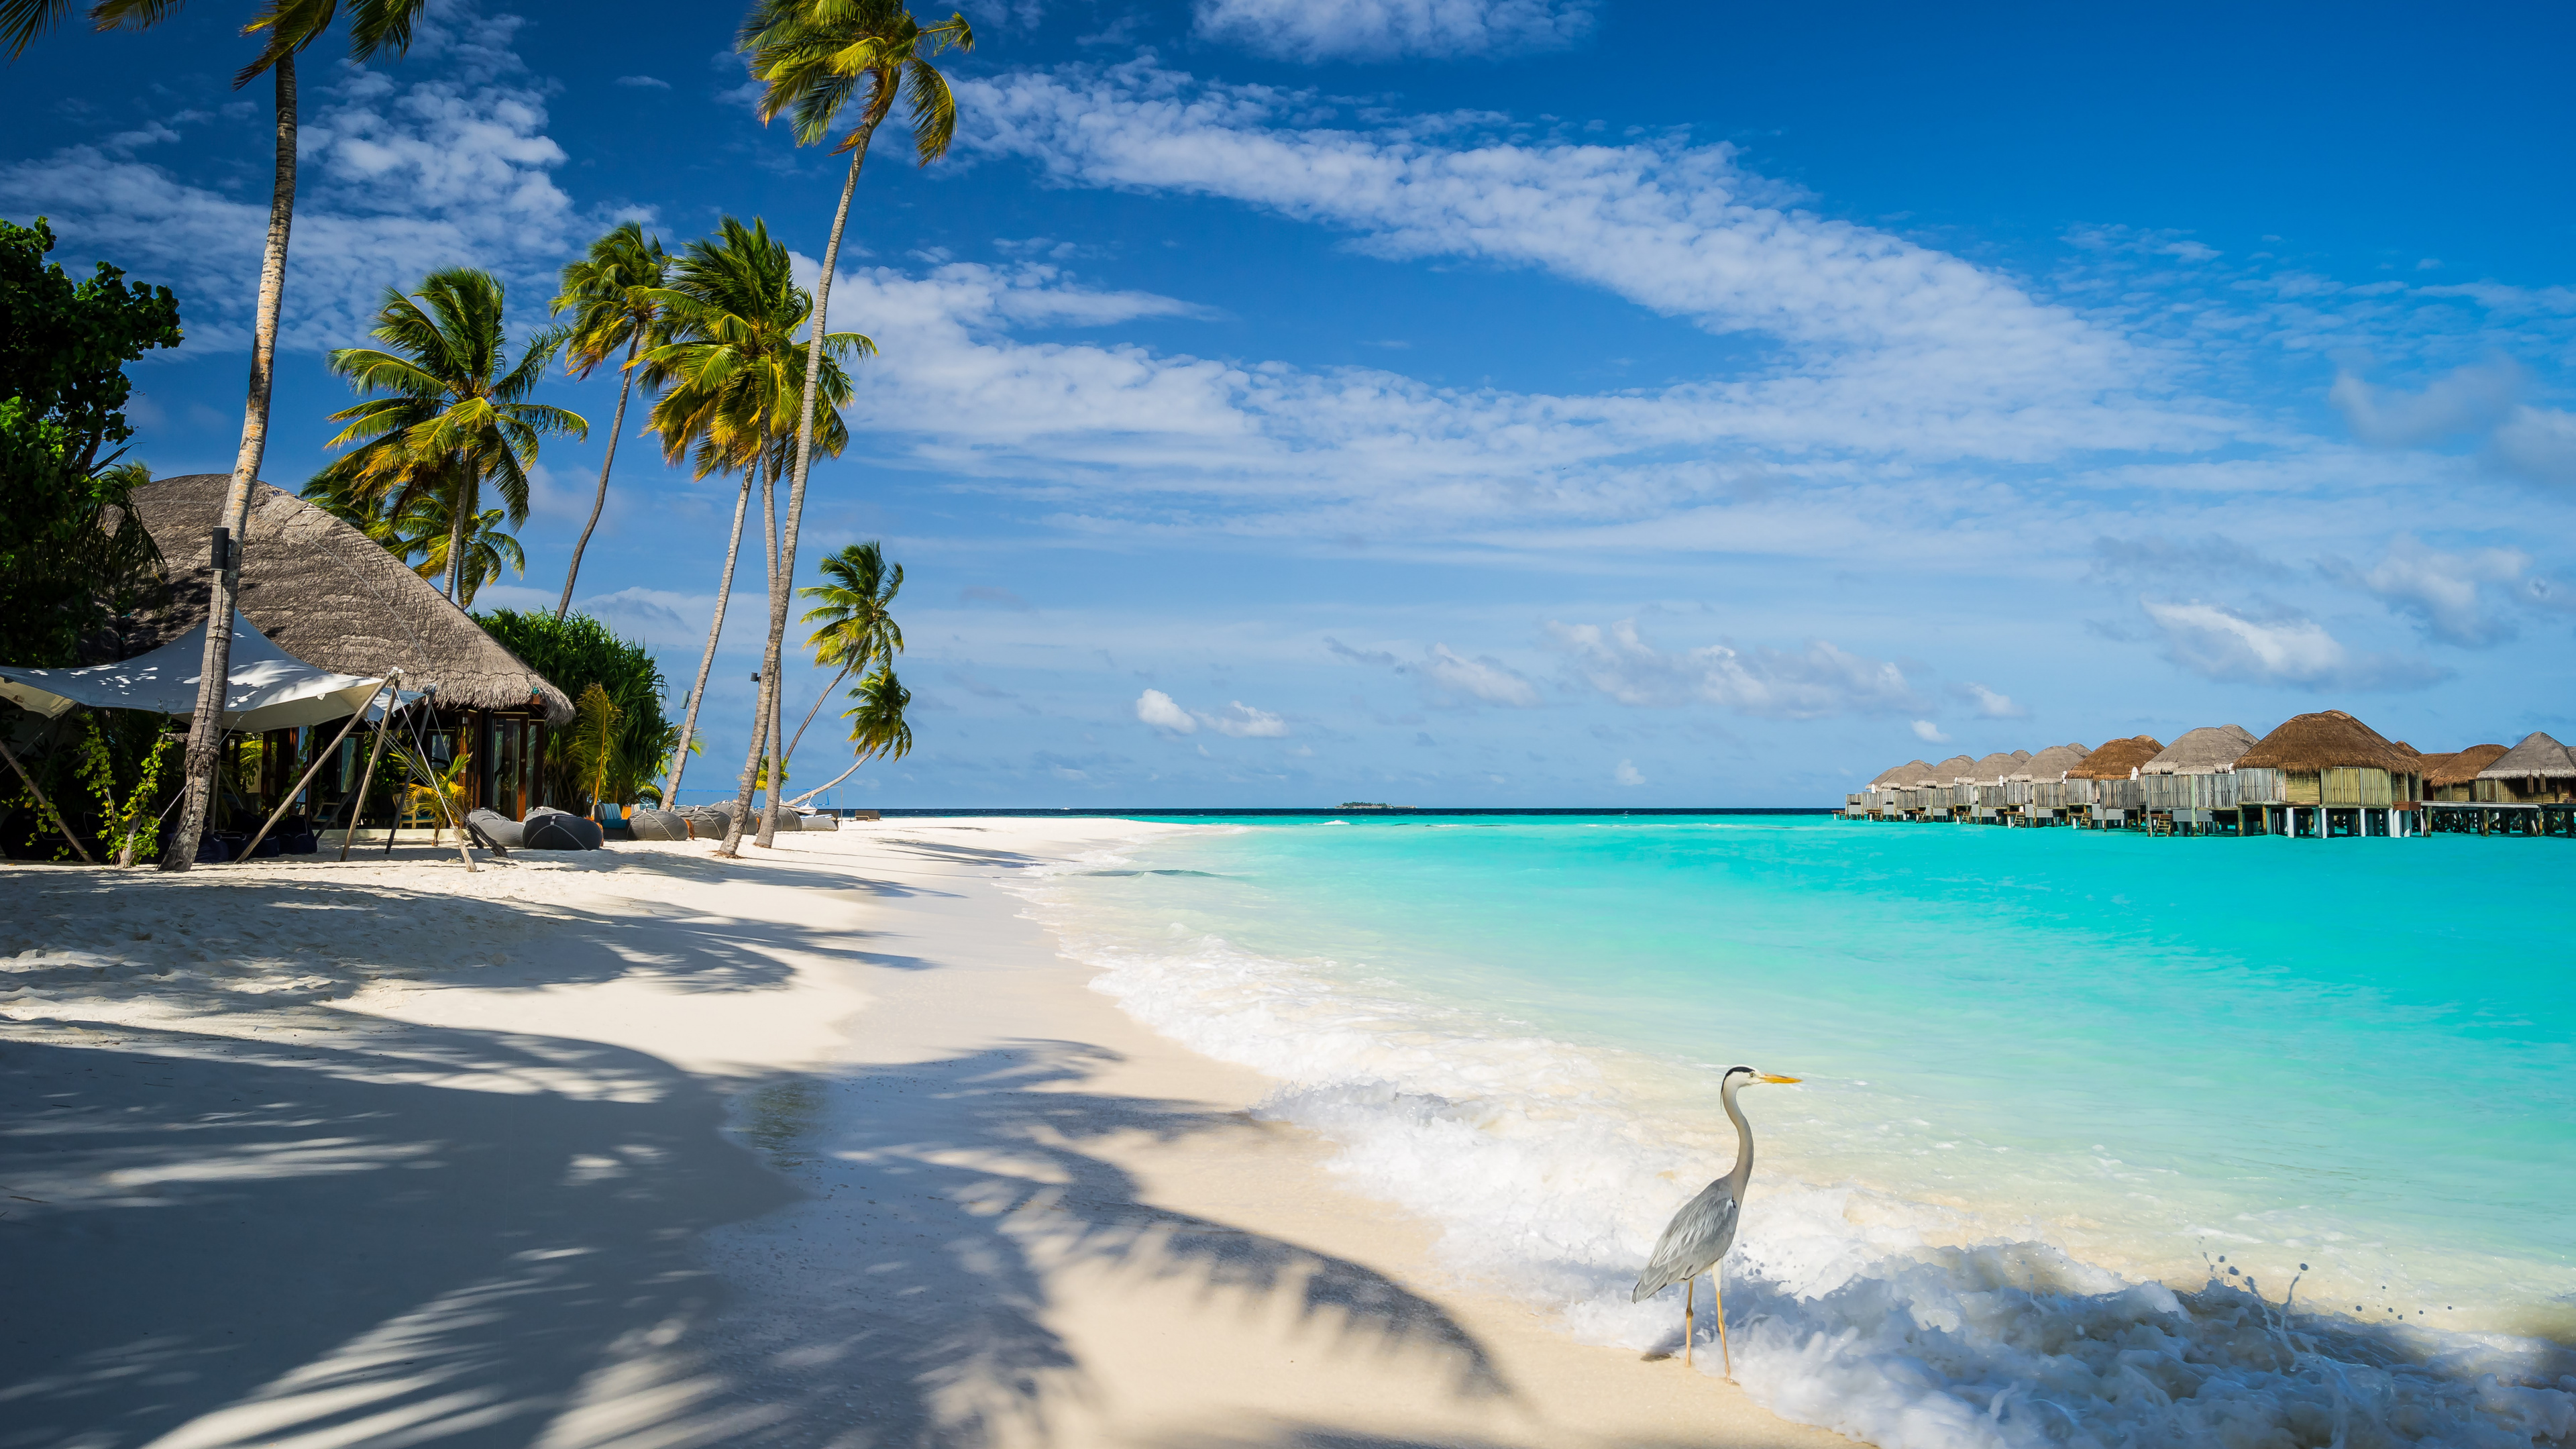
x: 285, y: 28
x: 610, y: 293
x: 453, y: 413
x: 730, y: 370
x: 577, y: 653
x: 820, y: 58
x: 70, y: 550
x: 854, y: 607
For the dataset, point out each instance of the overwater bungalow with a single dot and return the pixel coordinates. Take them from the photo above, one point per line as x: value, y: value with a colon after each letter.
x: 2105, y: 783
x: 2538, y: 771
x: 2327, y: 774
x: 332, y: 597
x: 2189, y: 788
x: 2452, y: 779
x: 2038, y: 788
x: 1987, y: 777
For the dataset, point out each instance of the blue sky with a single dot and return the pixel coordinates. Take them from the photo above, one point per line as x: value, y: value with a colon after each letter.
x: 1510, y: 401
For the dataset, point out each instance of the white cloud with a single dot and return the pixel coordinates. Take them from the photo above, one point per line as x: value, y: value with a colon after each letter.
x: 1627, y: 774
x: 1156, y: 708
x: 2538, y: 444
x: 1814, y: 682
x: 395, y: 181
x: 2453, y: 596
x: 1321, y: 30
x: 1243, y: 722
x: 1448, y: 677
x: 1239, y: 720
x: 1676, y: 228
x: 1991, y: 705
x: 2464, y: 400
x: 1930, y: 733
x: 2221, y: 643
x: 644, y: 82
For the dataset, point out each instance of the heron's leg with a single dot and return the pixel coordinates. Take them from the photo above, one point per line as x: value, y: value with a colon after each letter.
x: 1717, y: 1285
x: 1689, y: 1288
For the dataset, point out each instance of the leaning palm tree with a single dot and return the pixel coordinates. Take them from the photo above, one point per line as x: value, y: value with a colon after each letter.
x: 610, y: 294
x: 730, y: 369
x: 877, y: 725
x: 819, y: 58
x: 854, y: 609
x: 452, y: 414
x: 428, y: 534
x: 285, y: 28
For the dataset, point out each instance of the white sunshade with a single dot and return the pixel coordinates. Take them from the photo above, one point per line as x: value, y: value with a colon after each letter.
x: 270, y: 689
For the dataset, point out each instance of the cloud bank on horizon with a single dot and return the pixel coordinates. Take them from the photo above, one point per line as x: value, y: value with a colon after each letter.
x: 1878, y: 480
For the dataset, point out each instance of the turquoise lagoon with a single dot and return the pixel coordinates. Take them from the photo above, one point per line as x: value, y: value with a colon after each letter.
x: 2052, y: 1079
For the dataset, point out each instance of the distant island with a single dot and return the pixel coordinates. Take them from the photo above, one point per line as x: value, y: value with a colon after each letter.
x: 1372, y: 805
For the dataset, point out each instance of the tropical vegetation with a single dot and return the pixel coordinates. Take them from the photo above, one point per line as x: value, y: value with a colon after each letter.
x: 612, y: 294
x: 284, y: 31
x: 622, y: 763
x: 449, y: 417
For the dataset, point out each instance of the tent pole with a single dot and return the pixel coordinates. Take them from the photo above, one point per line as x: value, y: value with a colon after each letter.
x: 44, y: 804
x: 319, y: 757
x: 358, y: 802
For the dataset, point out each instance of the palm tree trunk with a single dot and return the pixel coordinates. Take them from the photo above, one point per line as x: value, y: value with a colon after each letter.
x: 778, y: 592
x: 460, y: 505
x: 763, y: 714
x: 828, y: 784
x: 615, y: 431
x: 206, y: 730
x: 707, y: 661
x: 799, y: 737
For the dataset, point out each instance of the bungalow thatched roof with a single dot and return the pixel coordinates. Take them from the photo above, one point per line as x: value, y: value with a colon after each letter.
x: 1910, y: 775
x: 2326, y: 740
x: 2537, y: 755
x: 2053, y: 763
x: 1996, y: 768
x: 330, y: 596
x: 2117, y: 758
x: 1891, y: 775
x: 2461, y: 768
x: 1953, y: 770
x: 2209, y: 750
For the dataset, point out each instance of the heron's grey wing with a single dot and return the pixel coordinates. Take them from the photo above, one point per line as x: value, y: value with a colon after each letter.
x: 1697, y: 1236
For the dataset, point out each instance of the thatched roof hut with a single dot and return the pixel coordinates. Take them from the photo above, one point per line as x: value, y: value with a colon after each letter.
x: 2538, y: 757
x: 2117, y: 759
x: 1893, y: 775
x: 2328, y: 739
x: 2461, y: 768
x: 2053, y: 763
x: 1996, y: 768
x: 331, y: 596
x: 1956, y: 770
x: 2209, y: 750
x: 1912, y: 775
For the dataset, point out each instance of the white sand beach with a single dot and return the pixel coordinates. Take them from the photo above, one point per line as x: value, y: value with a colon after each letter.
x: 642, y: 1148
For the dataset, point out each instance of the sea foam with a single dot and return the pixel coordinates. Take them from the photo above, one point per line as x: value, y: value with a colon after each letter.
x: 1909, y: 1325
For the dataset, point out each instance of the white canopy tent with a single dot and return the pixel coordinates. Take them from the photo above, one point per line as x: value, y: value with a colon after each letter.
x: 268, y: 689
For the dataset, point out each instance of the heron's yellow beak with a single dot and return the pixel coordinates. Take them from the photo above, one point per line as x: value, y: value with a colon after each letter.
x: 1767, y: 1077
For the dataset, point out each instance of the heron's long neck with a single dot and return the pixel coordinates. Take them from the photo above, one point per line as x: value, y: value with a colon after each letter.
x: 1743, y: 1170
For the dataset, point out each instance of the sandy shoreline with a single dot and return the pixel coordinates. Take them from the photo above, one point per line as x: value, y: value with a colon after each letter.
x: 386, y: 1153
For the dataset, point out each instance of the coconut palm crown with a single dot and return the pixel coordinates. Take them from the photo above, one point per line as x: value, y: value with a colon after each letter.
x: 729, y: 363
x: 452, y: 412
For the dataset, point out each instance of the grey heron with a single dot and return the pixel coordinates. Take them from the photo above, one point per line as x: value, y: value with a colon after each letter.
x: 1704, y: 1229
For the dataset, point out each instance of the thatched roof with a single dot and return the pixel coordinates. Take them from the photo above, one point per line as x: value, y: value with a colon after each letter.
x: 329, y: 595
x: 1907, y: 776
x: 2326, y: 740
x: 2538, y: 755
x: 2461, y: 768
x: 2117, y: 758
x: 2208, y: 750
x: 1996, y: 768
x: 1893, y: 774
x: 2053, y: 763
x: 1953, y: 770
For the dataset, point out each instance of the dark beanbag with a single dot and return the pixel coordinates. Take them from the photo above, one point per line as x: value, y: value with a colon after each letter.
x: 646, y: 823
x: 496, y: 829
x: 817, y: 821
x: 551, y: 829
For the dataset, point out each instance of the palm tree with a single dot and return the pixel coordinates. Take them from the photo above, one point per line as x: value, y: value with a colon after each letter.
x: 819, y: 57
x: 428, y: 534
x: 610, y: 294
x: 877, y: 725
x: 453, y: 414
x: 286, y: 28
x: 729, y: 366
x: 853, y: 608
